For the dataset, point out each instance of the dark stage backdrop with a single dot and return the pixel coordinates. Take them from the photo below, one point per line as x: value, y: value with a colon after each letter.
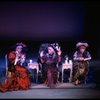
x: 35, y: 23
x: 41, y: 20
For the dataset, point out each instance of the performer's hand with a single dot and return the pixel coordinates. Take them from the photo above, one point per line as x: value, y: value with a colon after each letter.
x: 41, y: 54
x: 81, y: 59
x: 9, y: 74
x: 16, y: 60
x: 59, y: 52
x: 85, y: 59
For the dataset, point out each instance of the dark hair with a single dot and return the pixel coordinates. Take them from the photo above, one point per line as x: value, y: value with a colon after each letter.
x: 24, y: 47
x: 50, y: 45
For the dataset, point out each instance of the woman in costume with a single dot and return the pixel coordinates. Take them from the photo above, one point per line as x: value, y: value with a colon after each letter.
x: 81, y: 62
x: 50, y: 60
x: 19, y: 77
x: 41, y: 61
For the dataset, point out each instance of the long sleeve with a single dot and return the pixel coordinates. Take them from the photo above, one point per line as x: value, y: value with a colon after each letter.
x: 75, y: 56
x: 11, y: 59
x: 88, y: 56
x: 59, y: 59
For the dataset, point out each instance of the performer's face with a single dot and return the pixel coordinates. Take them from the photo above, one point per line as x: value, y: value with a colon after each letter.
x: 82, y: 49
x: 19, y: 50
x: 50, y: 50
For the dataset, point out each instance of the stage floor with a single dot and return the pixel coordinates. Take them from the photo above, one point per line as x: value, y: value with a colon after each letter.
x: 62, y: 91
x: 64, y: 86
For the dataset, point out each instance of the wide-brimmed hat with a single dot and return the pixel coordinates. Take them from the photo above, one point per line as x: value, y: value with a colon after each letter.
x: 79, y: 44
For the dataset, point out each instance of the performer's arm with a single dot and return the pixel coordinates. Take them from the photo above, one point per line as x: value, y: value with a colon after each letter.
x: 11, y: 60
x: 42, y: 57
x: 59, y: 56
x: 88, y: 57
x: 76, y: 58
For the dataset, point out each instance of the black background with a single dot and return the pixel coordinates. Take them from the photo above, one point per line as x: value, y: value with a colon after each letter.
x: 89, y: 32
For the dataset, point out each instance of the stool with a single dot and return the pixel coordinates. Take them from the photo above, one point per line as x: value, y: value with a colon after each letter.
x: 67, y: 66
x: 34, y: 66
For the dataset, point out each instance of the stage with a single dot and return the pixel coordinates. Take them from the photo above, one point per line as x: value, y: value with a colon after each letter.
x: 60, y: 85
x: 62, y: 91
x: 65, y: 23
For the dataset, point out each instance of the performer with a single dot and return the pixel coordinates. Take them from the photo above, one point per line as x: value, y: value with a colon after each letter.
x: 81, y: 62
x: 41, y: 61
x: 59, y: 63
x: 19, y: 77
x: 50, y: 60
